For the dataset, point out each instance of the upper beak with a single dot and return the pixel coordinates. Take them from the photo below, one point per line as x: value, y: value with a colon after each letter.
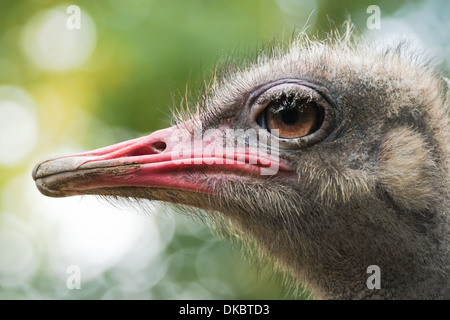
x: 170, y: 158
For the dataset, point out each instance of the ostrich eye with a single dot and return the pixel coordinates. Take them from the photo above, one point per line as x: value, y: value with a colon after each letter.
x: 292, y: 116
x: 300, y: 114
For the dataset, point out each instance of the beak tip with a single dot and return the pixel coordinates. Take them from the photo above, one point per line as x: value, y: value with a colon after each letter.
x: 41, y: 186
x: 46, y: 186
x: 35, y: 171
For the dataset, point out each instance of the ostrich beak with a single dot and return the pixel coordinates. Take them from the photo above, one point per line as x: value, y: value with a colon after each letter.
x: 171, y: 158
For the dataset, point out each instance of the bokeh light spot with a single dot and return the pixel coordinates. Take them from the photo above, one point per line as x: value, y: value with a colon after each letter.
x: 18, y: 127
x: 49, y: 44
x: 17, y: 256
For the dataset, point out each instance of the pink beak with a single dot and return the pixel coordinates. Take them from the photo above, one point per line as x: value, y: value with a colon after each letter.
x: 171, y: 158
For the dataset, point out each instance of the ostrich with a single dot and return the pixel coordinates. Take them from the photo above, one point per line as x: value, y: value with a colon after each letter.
x: 347, y: 166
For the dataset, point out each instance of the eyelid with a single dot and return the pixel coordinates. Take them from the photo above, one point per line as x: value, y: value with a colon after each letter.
x: 287, y: 90
x: 260, y: 102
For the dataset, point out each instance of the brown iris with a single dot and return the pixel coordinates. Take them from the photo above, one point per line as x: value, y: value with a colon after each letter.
x: 293, y: 117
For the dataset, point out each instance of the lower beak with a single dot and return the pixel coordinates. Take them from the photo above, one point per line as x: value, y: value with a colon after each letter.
x: 171, y: 158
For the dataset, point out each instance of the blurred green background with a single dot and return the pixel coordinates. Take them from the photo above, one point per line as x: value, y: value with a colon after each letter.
x: 116, y: 78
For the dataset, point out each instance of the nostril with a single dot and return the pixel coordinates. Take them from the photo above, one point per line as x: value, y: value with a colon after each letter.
x: 145, y: 149
x: 159, y: 146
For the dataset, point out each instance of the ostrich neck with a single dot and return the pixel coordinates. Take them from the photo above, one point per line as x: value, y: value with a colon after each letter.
x: 339, y: 253
x: 403, y: 278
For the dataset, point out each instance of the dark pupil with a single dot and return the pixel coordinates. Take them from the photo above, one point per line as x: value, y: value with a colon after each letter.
x: 289, y: 116
x: 286, y: 109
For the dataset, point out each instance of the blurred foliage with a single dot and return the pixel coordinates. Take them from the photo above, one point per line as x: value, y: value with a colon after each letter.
x: 147, y: 53
x: 148, y: 58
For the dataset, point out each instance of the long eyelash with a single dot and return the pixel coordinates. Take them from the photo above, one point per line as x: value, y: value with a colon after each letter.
x: 279, y: 95
x: 278, y: 107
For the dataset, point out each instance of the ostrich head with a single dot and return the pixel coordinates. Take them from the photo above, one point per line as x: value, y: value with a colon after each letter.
x: 329, y: 157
